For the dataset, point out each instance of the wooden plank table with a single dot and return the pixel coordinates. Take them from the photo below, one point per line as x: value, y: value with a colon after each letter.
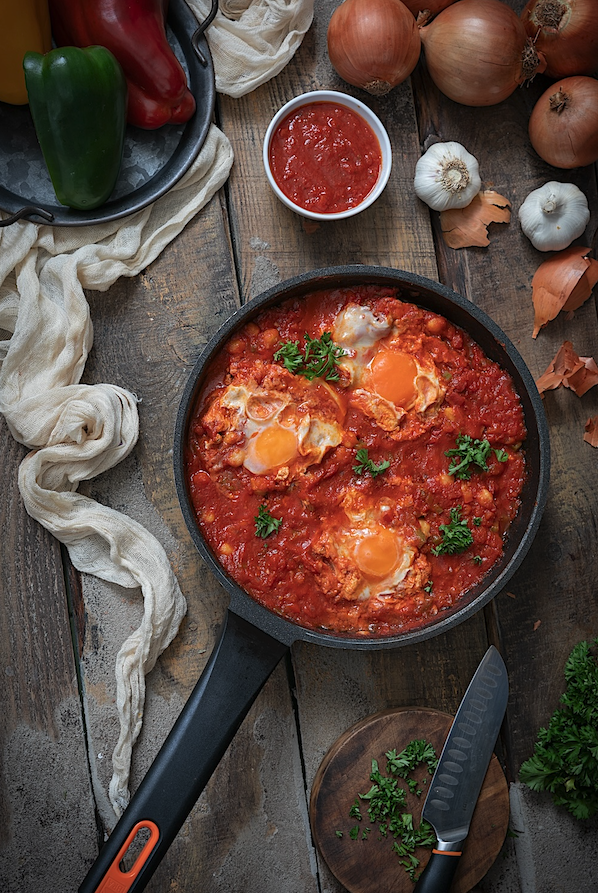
x: 249, y: 830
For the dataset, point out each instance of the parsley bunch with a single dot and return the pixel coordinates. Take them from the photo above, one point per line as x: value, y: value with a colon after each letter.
x: 470, y: 453
x: 317, y: 360
x: 386, y: 803
x: 565, y: 758
x: 456, y: 535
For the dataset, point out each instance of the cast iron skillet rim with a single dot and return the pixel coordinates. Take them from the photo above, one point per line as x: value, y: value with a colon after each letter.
x: 328, y: 277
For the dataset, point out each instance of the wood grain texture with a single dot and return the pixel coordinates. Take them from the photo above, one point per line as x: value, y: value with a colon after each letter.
x: 44, y: 778
x: 369, y: 865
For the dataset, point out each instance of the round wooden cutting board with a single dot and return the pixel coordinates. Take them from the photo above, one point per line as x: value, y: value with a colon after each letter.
x: 371, y: 865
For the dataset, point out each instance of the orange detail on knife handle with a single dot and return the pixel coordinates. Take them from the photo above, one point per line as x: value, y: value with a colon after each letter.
x: 438, y: 874
x: 118, y: 881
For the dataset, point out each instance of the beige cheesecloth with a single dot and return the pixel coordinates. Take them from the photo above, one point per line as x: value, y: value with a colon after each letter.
x: 77, y: 431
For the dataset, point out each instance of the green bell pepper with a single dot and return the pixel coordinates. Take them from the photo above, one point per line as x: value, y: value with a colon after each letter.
x: 78, y: 101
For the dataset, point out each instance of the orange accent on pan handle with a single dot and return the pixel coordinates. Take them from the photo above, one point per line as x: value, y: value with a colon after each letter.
x: 117, y: 881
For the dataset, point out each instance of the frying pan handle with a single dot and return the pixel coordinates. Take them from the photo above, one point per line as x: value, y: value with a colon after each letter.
x: 237, y: 669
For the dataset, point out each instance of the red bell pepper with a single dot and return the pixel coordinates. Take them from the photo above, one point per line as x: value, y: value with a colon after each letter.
x: 135, y: 33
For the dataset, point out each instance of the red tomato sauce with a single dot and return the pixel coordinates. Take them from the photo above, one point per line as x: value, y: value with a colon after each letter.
x: 306, y: 570
x: 325, y: 157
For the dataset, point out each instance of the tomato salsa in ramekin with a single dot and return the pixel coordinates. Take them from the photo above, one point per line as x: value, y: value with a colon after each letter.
x: 327, y: 156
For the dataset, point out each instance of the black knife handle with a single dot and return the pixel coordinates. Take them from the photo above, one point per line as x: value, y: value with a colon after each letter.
x: 438, y: 874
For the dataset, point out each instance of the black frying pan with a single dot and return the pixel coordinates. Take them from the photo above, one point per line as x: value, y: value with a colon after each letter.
x: 253, y: 639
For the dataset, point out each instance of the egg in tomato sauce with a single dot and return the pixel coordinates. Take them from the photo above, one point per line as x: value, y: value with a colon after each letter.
x: 390, y: 375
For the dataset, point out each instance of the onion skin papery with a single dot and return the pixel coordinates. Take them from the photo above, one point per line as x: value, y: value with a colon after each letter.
x: 373, y: 44
x: 566, y: 33
x: 477, y: 52
x: 563, y: 125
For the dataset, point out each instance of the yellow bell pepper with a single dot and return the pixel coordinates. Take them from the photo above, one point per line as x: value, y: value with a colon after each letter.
x: 24, y: 26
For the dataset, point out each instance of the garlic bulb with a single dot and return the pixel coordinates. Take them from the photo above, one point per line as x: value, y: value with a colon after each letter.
x: 554, y: 215
x: 447, y: 176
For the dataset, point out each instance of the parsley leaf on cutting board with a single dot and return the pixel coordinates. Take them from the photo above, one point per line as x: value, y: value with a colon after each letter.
x: 565, y: 758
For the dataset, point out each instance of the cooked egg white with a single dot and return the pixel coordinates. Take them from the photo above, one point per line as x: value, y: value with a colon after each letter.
x: 277, y: 431
x: 389, y: 380
x: 379, y: 554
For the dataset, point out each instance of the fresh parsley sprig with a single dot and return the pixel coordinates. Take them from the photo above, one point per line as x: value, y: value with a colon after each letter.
x: 386, y: 803
x: 318, y: 359
x: 456, y: 535
x: 565, y: 758
x: 365, y: 464
x: 416, y: 752
x: 470, y: 454
x: 265, y: 524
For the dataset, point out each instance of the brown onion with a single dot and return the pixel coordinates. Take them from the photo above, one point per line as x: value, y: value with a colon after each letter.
x: 566, y: 33
x: 477, y: 52
x: 563, y: 126
x: 373, y: 44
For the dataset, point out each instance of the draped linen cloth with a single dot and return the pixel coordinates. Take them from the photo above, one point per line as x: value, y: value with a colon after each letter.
x: 76, y: 431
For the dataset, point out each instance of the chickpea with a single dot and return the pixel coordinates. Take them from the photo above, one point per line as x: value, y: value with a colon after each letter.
x: 236, y: 346
x: 270, y: 337
x: 226, y: 549
x: 235, y: 458
x: 485, y: 497
x: 435, y: 325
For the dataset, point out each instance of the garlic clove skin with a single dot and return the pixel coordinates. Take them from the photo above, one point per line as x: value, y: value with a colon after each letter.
x: 447, y: 176
x: 554, y: 215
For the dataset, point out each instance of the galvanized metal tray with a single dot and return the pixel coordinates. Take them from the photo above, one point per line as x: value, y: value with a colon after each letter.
x: 153, y: 161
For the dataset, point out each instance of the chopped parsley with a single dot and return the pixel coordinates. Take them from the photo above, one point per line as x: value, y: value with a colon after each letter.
x: 317, y: 360
x: 386, y: 803
x: 364, y: 463
x: 565, y: 758
x: 265, y: 524
x: 470, y: 454
x: 456, y: 535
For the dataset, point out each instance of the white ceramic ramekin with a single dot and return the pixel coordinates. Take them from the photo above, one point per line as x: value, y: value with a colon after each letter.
x: 356, y: 106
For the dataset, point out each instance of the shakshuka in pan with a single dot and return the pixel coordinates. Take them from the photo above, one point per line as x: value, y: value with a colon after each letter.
x: 354, y: 461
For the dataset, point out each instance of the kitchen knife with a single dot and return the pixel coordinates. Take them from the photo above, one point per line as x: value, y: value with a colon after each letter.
x: 457, y: 781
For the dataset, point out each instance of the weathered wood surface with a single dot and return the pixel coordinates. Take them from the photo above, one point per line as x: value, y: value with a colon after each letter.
x: 45, y: 790
x: 250, y: 827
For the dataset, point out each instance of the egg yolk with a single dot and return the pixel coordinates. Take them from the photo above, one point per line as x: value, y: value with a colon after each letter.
x: 271, y: 448
x: 376, y: 555
x: 393, y: 376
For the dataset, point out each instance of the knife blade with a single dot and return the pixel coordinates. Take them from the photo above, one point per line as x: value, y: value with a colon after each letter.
x: 458, y: 779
